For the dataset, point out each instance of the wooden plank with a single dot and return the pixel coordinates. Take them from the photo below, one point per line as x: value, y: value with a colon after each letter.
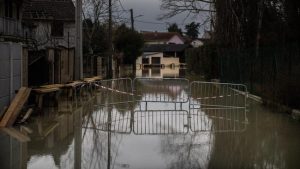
x: 52, y: 86
x: 49, y: 129
x: 3, y: 112
x: 26, y: 129
x: 92, y: 79
x: 15, y: 134
x: 24, y: 99
x: 74, y: 84
x: 45, y: 90
x: 15, y: 107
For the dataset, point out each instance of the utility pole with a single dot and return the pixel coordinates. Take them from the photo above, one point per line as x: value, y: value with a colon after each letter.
x: 132, y: 20
x: 110, y: 51
x: 78, y: 67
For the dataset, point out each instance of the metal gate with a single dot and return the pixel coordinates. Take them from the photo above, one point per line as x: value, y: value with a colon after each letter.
x: 167, y: 90
x: 209, y: 106
x: 218, y: 107
x: 116, y: 91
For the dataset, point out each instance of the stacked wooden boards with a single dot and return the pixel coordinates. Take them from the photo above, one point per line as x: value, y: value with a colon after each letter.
x: 15, y: 107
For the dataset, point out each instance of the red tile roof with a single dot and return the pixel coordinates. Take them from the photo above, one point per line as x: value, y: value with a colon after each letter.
x: 160, y: 36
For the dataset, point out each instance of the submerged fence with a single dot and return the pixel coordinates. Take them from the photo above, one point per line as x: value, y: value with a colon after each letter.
x: 204, y: 107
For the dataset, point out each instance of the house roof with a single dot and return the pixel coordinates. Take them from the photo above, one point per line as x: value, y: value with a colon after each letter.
x: 160, y: 36
x: 49, y: 10
x: 165, y: 48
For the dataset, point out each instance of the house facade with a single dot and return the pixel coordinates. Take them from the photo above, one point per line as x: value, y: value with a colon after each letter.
x: 162, y: 49
x: 52, y: 25
x: 11, y: 19
x: 13, y: 51
x: 162, y: 55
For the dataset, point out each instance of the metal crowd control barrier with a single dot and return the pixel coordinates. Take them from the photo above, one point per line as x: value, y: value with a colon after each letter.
x: 212, y: 107
x: 116, y: 91
x: 160, y: 122
x: 218, y: 107
x: 162, y: 90
x: 217, y: 95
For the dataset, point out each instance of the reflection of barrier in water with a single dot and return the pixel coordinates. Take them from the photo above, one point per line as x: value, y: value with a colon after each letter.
x: 119, y: 121
x: 218, y: 120
x: 160, y: 122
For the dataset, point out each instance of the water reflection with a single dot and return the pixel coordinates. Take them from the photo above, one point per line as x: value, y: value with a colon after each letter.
x: 155, y: 126
x: 166, y: 72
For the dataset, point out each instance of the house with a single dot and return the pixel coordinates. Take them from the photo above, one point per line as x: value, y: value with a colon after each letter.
x: 162, y: 49
x: 161, y: 55
x: 162, y: 38
x: 13, y: 52
x: 207, y: 35
x: 196, y: 43
x: 52, y: 26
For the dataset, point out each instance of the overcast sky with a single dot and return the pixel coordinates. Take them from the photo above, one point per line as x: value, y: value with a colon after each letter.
x: 150, y: 9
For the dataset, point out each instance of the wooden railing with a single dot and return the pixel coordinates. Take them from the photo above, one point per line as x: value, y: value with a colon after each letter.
x: 10, y: 27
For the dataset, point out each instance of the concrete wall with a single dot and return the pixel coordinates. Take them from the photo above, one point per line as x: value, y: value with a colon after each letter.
x: 10, y: 71
x: 13, y: 153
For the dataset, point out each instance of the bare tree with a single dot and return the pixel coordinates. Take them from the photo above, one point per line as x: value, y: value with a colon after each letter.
x: 175, y: 7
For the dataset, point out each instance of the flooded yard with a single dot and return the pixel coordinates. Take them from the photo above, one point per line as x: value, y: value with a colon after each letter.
x: 155, y: 123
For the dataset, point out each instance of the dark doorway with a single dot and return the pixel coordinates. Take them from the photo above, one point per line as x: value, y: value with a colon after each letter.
x: 38, y: 68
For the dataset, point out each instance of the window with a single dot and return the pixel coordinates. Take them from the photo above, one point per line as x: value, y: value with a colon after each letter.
x: 145, y: 60
x: 156, y: 60
x: 57, y: 29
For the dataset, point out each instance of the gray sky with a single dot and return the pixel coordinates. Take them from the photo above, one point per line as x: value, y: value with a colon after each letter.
x: 150, y: 9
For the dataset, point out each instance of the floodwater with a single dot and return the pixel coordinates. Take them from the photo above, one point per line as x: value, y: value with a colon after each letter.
x: 154, y: 123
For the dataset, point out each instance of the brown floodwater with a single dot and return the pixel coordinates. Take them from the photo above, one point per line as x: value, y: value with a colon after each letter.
x: 155, y: 123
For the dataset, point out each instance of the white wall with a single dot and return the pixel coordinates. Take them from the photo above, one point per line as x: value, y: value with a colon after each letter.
x: 139, y: 59
x: 10, y: 71
x: 167, y: 61
x: 170, y: 60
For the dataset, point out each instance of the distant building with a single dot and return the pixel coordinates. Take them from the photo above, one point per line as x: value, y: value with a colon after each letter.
x: 207, y: 34
x: 162, y: 55
x: 163, y: 38
x: 52, y: 26
x: 13, y: 53
x: 196, y: 43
